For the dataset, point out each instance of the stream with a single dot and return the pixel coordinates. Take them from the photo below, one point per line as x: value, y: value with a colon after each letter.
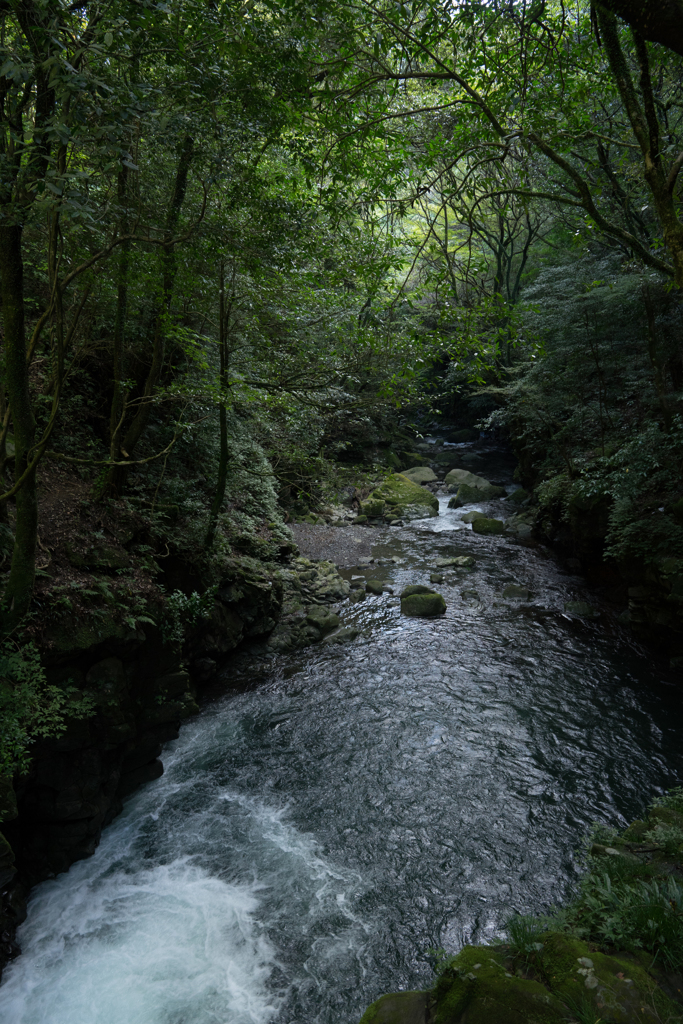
x: 339, y: 813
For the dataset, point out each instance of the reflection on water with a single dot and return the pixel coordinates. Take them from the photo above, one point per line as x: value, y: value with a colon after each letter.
x: 316, y: 834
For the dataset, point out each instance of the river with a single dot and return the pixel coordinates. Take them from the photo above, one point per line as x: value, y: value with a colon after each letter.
x: 337, y: 815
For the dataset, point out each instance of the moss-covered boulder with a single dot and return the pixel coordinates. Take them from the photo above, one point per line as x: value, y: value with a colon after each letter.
x: 467, y: 495
x: 398, y: 1008
x: 406, y: 498
x: 456, y: 477
x: 488, y: 527
x: 422, y: 602
x: 519, y: 496
x: 471, y: 516
x: 372, y: 508
x: 615, y: 988
x: 477, y: 988
x: 457, y: 561
x: 322, y: 619
x: 421, y: 475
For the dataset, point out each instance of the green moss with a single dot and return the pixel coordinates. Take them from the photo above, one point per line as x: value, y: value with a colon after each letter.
x: 400, y: 493
x: 477, y: 989
x: 488, y: 526
x: 468, y: 494
x: 423, y: 605
x: 397, y: 1008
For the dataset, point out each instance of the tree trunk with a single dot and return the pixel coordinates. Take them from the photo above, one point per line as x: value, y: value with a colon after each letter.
x: 17, y: 596
x: 224, y: 456
x: 118, y: 474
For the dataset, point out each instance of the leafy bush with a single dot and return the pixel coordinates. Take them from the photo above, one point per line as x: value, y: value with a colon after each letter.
x: 633, y: 915
x: 30, y: 708
x: 183, y: 611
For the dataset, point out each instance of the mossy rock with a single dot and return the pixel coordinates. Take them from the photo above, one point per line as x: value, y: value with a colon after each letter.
x: 488, y: 527
x: 468, y: 494
x: 421, y: 475
x: 477, y: 989
x: 513, y: 592
x: 635, y: 833
x: 413, y: 459
x: 614, y: 988
x: 519, y: 496
x: 471, y: 516
x: 323, y: 620
x: 374, y: 587
x: 665, y: 815
x: 401, y: 495
x: 416, y: 588
x: 373, y: 508
x: 456, y: 477
x: 398, y: 1008
x: 582, y: 609
x: 423, y: 605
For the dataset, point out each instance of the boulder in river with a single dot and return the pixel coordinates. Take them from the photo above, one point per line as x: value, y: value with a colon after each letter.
x: 467, y: 494
x: 405, y: 498
x: 340, y: 636
x: 582, y: 609
x: 457, y: 561
x: 456, y: 477
x: 471, y: 516
x: 374, y: 587
x: 421, y: 601
x: 488, y: 526
x: 435, y: 577
x: 421, y: 475
x: 514, y: 593
x: 518, y: 496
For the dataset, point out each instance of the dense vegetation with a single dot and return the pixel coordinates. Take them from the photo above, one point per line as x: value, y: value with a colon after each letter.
x: 246, y: 248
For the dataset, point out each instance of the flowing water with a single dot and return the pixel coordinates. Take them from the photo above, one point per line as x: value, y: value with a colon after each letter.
x: 337, y: 815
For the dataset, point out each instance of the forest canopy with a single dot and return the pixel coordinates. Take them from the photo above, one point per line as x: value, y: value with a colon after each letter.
x: 271, y: 234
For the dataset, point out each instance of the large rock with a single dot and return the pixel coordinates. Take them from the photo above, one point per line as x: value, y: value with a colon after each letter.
x: 398, y: 1008
x: 421, y: 475
x: 456, y: 477
x: 488, y: 526
x: 406, y: 498
x: 420, y: 601
x: 468, y: 494
x: 372, y: 508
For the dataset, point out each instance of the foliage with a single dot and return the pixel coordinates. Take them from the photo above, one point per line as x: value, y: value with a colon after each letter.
x: 30, y: 707
x: 182, y: 612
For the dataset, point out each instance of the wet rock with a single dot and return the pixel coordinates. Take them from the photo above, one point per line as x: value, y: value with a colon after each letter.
x: 519, y: 496
x: 457, y: 561
x: 421, y: 475
x: 469, y: 517
x: 342, y: 635
x: 323, y: 620
x: 373, y: 508
x: 422, y: 602
x: 514, y: 593
x: 398, y: 1008
x: 356, y: 595
x: 435, y: 577
x: 360, y: 520
x: 374, y: 587
x: 456, y: 477
x: 488, y: 527
x: 406, y: 499
x: 582, y: 609
x: 468, y: 494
